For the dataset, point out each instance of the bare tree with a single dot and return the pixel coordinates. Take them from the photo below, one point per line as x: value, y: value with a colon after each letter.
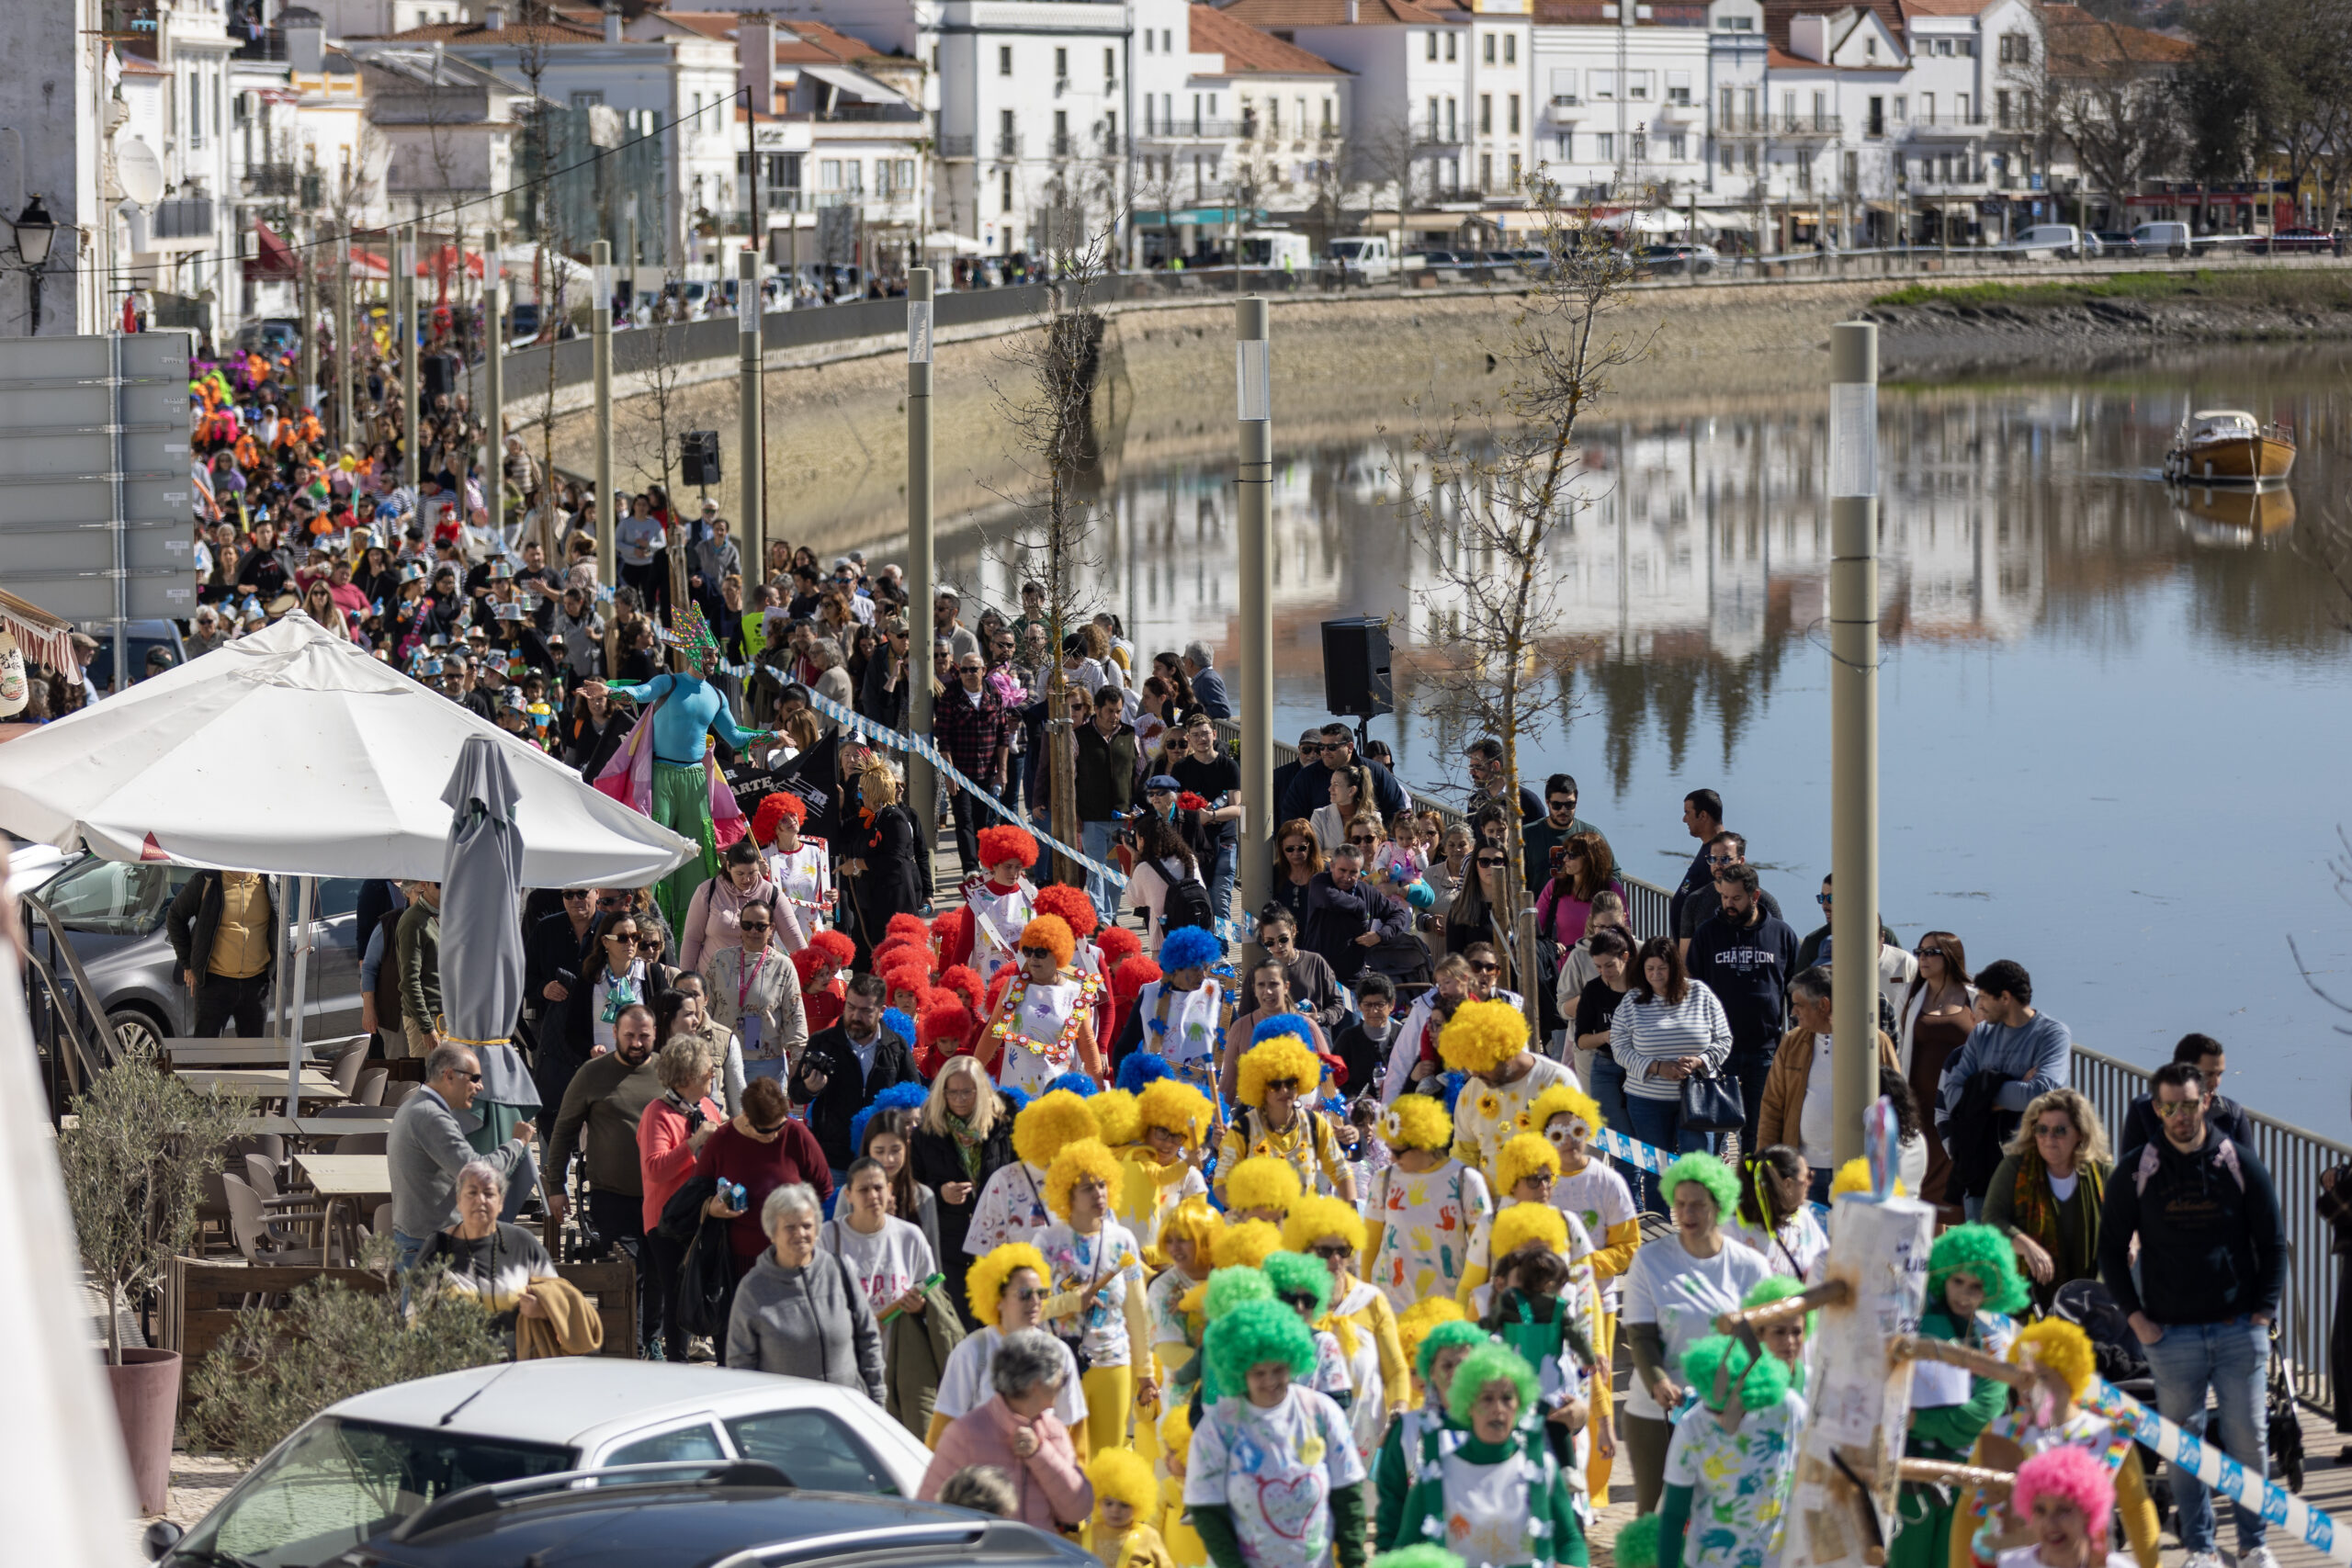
x: 2113, y: 99
x: 1385, y: 156
x: 1502, y: 487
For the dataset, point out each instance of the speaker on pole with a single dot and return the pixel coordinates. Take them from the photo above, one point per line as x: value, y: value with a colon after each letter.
x: 698, y: 456
x: 440, y: 374
x: 1355, y: 668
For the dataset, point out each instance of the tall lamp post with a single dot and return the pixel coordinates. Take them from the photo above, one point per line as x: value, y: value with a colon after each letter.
x: 1253, y: 498
x: 922, y: 784
x: 1853, y: 728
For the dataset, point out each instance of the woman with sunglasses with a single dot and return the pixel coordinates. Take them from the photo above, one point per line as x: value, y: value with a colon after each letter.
x: 612, y: 976
x: 1005, y: 1292
x: 1477, y: 914
x: 1298, y: 856
x: 2047, y: 1192
x: 1937, y: 1010
x: 1585, y: 870
x: 1349, y: 789
x: 753, y: 990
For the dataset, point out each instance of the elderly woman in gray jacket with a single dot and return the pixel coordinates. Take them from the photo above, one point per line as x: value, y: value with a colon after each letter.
x: 799, y: 1311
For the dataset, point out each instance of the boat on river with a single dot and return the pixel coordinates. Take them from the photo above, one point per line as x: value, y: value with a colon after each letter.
x: 2229, y: 446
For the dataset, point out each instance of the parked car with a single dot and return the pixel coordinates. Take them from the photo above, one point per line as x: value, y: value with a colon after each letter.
x: 2113, y: 241
x: 2164, y: 239
x: 2060, y: 240
x: 336, y: 1489
x: 1361, y: 258
x: 271, y: 335
x: 113, y: 912
x: 2292, y: 241
x: 691, y: 1516
x: 1679, y: 257
x: 1443, y: 265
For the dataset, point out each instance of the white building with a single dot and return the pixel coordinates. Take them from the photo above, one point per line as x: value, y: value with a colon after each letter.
x: 1623, y: 100
x: 174, y: 93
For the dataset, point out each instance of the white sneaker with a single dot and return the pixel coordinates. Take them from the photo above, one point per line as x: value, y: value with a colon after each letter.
x: 2203, y: 1559
x: 2261, y: 1557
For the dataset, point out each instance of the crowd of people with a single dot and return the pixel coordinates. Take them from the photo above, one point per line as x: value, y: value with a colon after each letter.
x: 1308, y: 1258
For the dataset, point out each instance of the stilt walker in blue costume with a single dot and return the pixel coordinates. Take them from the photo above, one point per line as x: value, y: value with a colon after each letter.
x: 666, y: 769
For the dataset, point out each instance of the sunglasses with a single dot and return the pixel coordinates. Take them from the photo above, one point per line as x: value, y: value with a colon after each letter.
x: 629, y: 938
x: 574, y: 894
x: 1025, y: 1293
x: 1931, y: 953
x: 2062, y: 1128
x: 1822, y: 899
x: 1273, y: 939
x: 1564, y: 806
x: 1332, y: 1250
x: 1365, y: 839
x: 2171, y: 1108
x: 1492, y: 860
x: 769, y: 1132
x: 1036, y: 953
x: 1488, y: 968
x: 1298, y: 1303
x: 755, y: 925
x: 1307, y: 751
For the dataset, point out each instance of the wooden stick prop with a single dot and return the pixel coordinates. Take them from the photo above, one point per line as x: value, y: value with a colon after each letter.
x: 1976, y: 1363
x: 1744, y: 1325
x: 1849, y: 1465
x: 1940, y: 1472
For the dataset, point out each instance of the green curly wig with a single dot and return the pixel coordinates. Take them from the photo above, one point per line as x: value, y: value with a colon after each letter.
x: 1636, y: 1543
x: 1489, y: 1363
x: 1230, y: 1287
x: 1422, y: 1556
x: 1253, y: 1334
x: 1984, y: 1252
x: 1779, y: 1288
x: 1708, y: 1172
x: 1461, y: 1333
x: 1762, y: 1381
x: 1299, y: 1274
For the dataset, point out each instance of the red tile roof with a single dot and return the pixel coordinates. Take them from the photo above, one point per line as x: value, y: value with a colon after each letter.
x: 515, y: 33
x: 1282, y: 15
x: 1777, y: 14
x: 1248, y: 50
x: 2082, y: 44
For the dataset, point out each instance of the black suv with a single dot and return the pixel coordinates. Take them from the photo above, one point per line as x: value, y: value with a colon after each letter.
x: 731, y: 1514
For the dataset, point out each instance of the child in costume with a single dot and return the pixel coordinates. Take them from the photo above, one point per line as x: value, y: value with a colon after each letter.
x: 1972, y: 1281
x: 1442, y: 1345
x: 2064, y: 1495
x: 1275, y: 1080
x: 1487, y: 1039
x: 1302, y: 1284
x: 1360, y: 1316
x: 1272, y: 1478
x: 1494, y: 1497
x: 1095, y: 1275
x: 1127, y: 1500
x: 1526, y: 1171
x: 1540, y: 1307
x: 1161, y: 1169
x: 1263, y: 1187
x: 1424, y: 1207
x: 1044, y: 1025
x: 1011, y: 1207
x: 997, y: 906
x: 1590, y: 1190
x: 1175, y: 1522
x: 1732, y: 1460
x: 1182, y: 1014
x: 1188, y: 1240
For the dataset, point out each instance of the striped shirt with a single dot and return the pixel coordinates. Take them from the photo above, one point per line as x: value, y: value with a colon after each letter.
x: 1646, y: 1032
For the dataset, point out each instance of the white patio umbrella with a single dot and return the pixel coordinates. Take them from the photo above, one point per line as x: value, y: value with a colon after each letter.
x: 293, y: 752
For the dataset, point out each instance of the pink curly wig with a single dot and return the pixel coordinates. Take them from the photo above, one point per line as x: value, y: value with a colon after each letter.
x: 2071, y: 1473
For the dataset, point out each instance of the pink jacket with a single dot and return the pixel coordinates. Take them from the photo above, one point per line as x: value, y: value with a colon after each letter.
x: 665, y: 1156
x: 1052, y: 1489
x: 1564, y: 914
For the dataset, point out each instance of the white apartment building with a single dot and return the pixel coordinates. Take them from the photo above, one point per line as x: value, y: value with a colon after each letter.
x: 1972, y: 112
x: 173, y: 90
x: 1623, y: 92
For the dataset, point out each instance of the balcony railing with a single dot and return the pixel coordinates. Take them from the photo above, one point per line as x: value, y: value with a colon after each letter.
x: 272, y: 180
x: 1007, y: 144
x: 1961, y: 123
x: 183, y: 217
x: 1741, y: 127
x: 957, y: 146
x: 1198, y: 127
x: 1062, y: 145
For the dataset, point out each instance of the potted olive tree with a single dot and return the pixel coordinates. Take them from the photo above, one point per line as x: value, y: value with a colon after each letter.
x: 134, y: 1160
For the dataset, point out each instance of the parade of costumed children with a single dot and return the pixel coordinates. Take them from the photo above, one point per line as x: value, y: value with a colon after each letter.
x: 986, y: 931
x: 1043, y: 1024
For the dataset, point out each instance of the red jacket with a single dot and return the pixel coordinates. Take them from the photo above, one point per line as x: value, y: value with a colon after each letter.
x: 663, y: 1153
x: 762, y: 1168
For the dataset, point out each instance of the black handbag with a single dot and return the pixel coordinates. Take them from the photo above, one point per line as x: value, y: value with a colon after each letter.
x: 707, y: 1283
x: 1712, y: 1103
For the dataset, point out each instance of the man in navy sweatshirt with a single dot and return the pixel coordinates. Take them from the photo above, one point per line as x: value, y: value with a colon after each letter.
x: 2211, y: 1269
x: 1746, y: 955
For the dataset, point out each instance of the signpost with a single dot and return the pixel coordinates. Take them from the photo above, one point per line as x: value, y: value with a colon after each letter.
x: 96, y: 496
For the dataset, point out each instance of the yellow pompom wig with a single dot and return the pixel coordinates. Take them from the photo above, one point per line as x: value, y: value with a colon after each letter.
x: 1563, y: 1099
x: 1413, y: 1325
x: 1194, y: 1220
x: 1272, y: 1060
x: 1246, y: 1245
x: 1176, y: 1429
x: 1049, y: 1124
x: 1087, y: 1157
x: 1854, y: 1175
x: 1523, y: 1224
x: 1261, y: 1181
x: 984, y: 1284
x: 2063, y: 1348
x: 1116, y: 1121
x: 1051, y: 933
x: 1482, y: 1036
x: 1530, y: 1154
x: 1175, y: 1107
x: 1122, y: 1475
x: 1418, y: 1121
x: 1312, y: 1219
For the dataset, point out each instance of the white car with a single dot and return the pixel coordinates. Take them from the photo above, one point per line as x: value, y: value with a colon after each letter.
x: 359, y: 1468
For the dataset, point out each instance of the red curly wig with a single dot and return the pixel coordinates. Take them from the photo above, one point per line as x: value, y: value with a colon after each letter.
x: 1117, y: 945
x: 907, y: 926
x: 773, y: 809
x: 963, y: 981
x: 835, y: 946
x: 1005, y: 842
x: 1071, y: 905
x: 1133, y: 975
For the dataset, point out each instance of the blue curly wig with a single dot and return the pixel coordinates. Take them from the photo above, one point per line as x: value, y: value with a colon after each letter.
x: 1142, y: 1069
x: 1453, y: 1082
x: 1193, y: 947
x: 898, y: 1097
x: 1016, y: 1099
x: 1079, y: 1084
x: 1282, y: 1023
x: 896, y: 1020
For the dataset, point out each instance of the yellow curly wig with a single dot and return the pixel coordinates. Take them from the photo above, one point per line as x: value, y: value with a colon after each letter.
x: 1261, y: 1181
x: 1049, y: 1122
x: 1563, y: 1100
x: 1122, y: 1475
x: 1175, y: 1107
x: 1192, y: 1220
x: 1482, y: 1036
x: 1418, y: 1121
x: 2063, y: 1348
x: 1116, y: 1121
x: 1854, y: 1175
x: 1086, y: 1156
x: 1176, y: 1429
x: 1413, y: 1325
x: 1312, y: 1219
x: 1283, y: 1056
x: 1524, y: 1222
x: 1524, y: 1156
x: 1246, y: 1245
x: 984, y: 1284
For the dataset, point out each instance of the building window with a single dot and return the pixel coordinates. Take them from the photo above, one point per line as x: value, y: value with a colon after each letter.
x: 1514, y: 170
x: 1514, y: 114
x: 1452, y: 48
x: 1602, y: 85
x: 1061, y: 65
x: 1726, y: 151
x: 2001, y: 108
x: 1330, y: 117
x: 1870, y: 48
x: 1510, y: 49
x: 1432, y: 111
x: 1943, y: 46
x: 1902, y: 109
x: 2014, y: 50
x: 1110, y: 67
x: 1677, y: 86
x: 829, y: 174
x: 1452, y: 129
x: 1004, y: 191
x: 1111, y: 130
x: 1150, y: 36
x: 1432, y: 43
x: 1637, y: 86
x: 1489, y: 47
x: 1004, y: 60
x: 1486, y: 171
x: 1485, y: 114
x: 1750, y: 158
x: 1804, y: 175
x: 1677, y: 147
x: 1604, y: 146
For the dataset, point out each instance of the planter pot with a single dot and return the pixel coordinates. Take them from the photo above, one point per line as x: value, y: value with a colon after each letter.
x: 147, y: 1401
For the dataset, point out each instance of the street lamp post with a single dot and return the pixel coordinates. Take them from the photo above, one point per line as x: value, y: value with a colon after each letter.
x: 600, y: 337
x: 922, y: 785
x: 1853, y: 728
x: 411, y: 344
x: 36, y: 233
x: 1253, y: 498
x: 750, y: 472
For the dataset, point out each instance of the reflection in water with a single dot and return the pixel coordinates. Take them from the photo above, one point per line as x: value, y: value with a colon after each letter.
x: 2111, y: 711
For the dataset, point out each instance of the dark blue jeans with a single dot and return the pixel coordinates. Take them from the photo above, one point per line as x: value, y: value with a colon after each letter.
x: 1659, y: 1122
x: 2230, y: 1359
x: 1750, y: 1069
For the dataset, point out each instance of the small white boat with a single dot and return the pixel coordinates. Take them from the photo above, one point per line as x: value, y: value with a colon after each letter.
x: 2229, y: 446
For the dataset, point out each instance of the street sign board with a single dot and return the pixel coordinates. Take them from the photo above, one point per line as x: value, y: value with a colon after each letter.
x: 95, y: 487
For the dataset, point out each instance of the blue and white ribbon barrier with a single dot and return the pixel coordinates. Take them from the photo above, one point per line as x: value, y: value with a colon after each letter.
x: 2225, y: 1475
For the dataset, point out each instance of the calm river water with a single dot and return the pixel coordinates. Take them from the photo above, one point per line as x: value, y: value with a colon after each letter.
x: 2114, y: 718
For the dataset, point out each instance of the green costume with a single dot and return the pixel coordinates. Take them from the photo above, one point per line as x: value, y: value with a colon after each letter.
x: 1392, y: 1475
x: 1947, y: 1433
x: 1503, y: 1504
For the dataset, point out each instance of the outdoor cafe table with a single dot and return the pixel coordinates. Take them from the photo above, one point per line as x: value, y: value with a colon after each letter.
x: 340, y: 1178
x: 317, y: 1126
x: 259, y: 1083
x: 265, y: 1051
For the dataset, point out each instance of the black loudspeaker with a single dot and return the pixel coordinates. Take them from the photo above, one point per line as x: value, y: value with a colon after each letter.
x: 1355, y: 668
x: 440, y: 373
x: 699, y: 456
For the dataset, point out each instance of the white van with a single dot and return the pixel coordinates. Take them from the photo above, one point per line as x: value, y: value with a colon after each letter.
x: 1362, y: 258
x: 2060, y: 240
x: 2162, y: 239
x: 1275, y: 248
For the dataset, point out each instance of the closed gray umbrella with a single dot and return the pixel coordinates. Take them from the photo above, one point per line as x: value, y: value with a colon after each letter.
x: 481, y: 943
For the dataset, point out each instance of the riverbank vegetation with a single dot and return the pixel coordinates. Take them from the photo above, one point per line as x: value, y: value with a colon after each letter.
x: 2266, y: 289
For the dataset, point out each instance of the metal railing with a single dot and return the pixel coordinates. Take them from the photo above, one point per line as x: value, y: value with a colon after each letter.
x: 184, y: 217
x: 2294, y: 1158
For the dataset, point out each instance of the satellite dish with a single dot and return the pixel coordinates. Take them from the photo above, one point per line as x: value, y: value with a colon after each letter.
x: 138, y: 171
